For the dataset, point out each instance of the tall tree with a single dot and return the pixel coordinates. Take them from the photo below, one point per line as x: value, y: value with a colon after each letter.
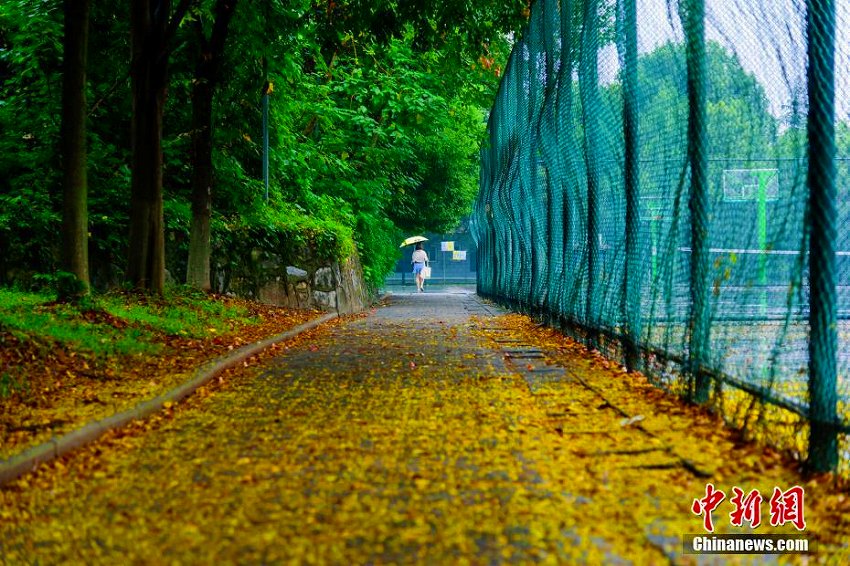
x: 382, y: 113
x: 75, y: 256
x: 152, y: 26
x: 210, y: 52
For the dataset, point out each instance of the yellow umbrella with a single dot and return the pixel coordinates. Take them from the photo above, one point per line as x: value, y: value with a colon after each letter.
x: 413, y: 240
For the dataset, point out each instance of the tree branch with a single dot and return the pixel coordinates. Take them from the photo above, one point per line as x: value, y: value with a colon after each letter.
x: 108, y: 93
x: 174, y: 23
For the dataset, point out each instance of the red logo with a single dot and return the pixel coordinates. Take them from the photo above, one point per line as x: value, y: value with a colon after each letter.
x: 746, y: 508
x: 785, y: 507
x: 708, y: 504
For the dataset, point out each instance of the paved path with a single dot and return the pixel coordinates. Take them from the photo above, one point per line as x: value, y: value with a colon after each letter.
x: 427, y: 431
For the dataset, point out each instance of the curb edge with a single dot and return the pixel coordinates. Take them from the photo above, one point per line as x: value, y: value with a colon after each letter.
x: 30, y: 458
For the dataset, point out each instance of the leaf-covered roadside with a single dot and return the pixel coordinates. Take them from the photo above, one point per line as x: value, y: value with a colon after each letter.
x: 672, y: 434
x: 63, y: 365
x: 403, y: 439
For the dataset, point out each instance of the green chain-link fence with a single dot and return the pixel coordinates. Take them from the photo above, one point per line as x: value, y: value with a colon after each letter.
x: 672, y: 186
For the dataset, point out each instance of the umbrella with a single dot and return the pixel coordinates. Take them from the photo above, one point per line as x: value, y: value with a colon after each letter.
x: 413, y: 240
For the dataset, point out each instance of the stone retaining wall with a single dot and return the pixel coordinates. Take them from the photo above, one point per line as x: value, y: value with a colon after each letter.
x: 336, y: 287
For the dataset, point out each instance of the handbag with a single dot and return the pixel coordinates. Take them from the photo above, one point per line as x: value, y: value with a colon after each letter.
x: 426, y: 272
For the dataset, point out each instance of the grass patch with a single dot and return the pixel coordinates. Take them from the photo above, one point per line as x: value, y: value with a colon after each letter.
x: 188, y: 316
x: 116, y: 324
x: 35, y: 317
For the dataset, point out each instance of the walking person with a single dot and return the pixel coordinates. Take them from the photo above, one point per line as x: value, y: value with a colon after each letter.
x: 419, y: 261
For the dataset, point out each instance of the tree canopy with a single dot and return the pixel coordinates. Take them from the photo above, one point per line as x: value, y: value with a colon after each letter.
x: 376, y: 115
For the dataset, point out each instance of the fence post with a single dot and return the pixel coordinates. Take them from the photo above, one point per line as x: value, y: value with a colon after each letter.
x: 520, y: 203
x: 536, y: 92
x: 700, y: 323
x: 589, y: 83
x: 633, y: 274
x: 550, y: 31
x: 550, y: 228
x: 823, y: 332
x: 564, y: 116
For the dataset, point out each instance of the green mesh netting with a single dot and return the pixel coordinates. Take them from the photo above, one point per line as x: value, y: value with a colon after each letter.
x: 670, y: 182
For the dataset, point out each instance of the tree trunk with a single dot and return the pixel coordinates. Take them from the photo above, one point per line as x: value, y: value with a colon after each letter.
x: 203, y: 90
x: 146, y: 267
x: 151, y: 31
x: 198, y: 268
x: 75, y: 256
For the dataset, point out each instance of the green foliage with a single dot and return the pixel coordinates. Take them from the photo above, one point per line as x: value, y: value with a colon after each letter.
x: 115, y: 323
x: 69, y: 288
x: 66, y: 286
x: 30, y: 84
x: 28, y: 317
x: 29, y: 223
x: 181, y: 313
x: 736, y: 105
x: 377, y: 114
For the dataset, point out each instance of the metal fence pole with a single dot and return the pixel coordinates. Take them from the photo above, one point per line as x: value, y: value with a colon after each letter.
x: 589, y: 84
x: 519, y: 202
x: 564, y: 115
x: 632, y: 279
x: 823, y: 334
x: 700, y: 322
x: 547, y: 125
x: 550, y: 247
